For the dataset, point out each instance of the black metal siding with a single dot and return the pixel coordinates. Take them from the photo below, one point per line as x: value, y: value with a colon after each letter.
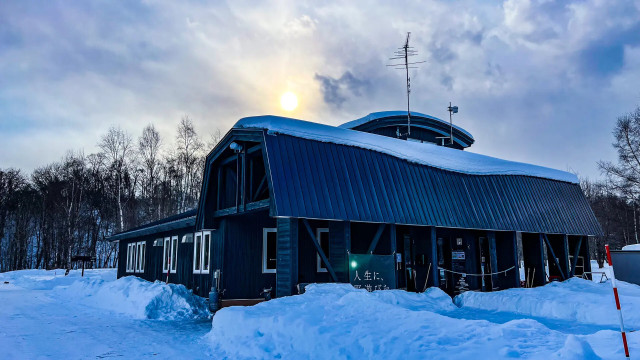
x: 313, y: 179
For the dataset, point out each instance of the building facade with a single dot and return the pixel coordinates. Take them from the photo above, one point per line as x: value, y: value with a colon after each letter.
x: 373, y: 203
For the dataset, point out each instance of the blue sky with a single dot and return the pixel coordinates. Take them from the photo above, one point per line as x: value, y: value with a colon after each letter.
x: 536, y: 81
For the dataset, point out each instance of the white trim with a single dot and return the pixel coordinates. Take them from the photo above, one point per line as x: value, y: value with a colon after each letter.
x: 166, y: 247
x: 206, y: 255
x: 319, y: 267
x: 140, y: 256
x: 265, y: 231
x: 131, y: 256
x: 174, y: 255
x: 197, y: 242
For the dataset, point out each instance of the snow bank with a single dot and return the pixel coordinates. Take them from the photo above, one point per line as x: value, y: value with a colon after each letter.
x: 139, y: 298
x: 336, y: 321
x: 575, y: 300
x: 130, y: 296
x: 632, y: 247
x: 422, y: 153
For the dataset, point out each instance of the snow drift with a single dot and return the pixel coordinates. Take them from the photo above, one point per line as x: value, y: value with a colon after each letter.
x: 336, y: 321
x: 130, y: 296
x: 139, y: 298
x: 577, y: 300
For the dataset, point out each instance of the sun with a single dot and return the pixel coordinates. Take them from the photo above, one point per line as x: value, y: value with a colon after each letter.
x: 289, y: 101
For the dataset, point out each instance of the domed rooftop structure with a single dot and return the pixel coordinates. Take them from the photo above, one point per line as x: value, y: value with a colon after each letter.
x: 424, y: 128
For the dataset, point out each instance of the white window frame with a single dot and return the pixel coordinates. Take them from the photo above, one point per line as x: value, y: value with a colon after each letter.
x: 205, y: 262
x: 168, y: 256
x: 166, y: 246
x: 319, y: 267
x: 131, y: 256
x: 140, y: 256
x: 199, y: 253
x: 174, y: 255
x: 265, y: 231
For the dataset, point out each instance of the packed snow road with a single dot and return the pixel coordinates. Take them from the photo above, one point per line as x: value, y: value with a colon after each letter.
x: 46, y: 315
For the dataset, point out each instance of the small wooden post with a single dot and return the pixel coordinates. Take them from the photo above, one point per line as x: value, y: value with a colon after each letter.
x: 493, y: 258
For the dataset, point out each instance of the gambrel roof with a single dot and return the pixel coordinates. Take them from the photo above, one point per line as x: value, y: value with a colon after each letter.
x: 325, y: 172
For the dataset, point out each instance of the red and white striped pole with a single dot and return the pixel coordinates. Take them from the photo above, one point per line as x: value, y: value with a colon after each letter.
x: 615, y: 294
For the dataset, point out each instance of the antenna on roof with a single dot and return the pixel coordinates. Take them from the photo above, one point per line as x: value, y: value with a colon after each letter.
x: 452, y: 110
x: 403, y: 53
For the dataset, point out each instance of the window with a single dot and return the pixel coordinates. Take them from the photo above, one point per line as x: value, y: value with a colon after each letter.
x: 170, y: 255
x: 139, y: 252
x: 201, y: 252
x: 322, y: 234
x: 269, y: 243
x: 131, y: 257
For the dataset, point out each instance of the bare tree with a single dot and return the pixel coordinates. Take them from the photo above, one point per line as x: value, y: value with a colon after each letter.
x: 149, y: 145
x: 214, y: 139
x: 117, y: 147
x: 189, y: 149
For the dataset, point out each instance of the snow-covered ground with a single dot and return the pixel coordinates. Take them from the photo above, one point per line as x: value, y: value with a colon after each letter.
x: 47, y: 315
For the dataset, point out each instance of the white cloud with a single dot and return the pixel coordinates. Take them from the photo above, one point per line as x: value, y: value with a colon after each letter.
x: 537, y: 81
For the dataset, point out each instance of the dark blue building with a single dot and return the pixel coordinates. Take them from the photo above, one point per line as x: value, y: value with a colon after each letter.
x: 286, y: 202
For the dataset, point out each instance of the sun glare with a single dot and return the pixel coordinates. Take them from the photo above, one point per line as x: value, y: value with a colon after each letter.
x: 289, y: 101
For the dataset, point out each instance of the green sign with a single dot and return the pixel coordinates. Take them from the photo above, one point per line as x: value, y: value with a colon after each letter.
x: 372, y: 272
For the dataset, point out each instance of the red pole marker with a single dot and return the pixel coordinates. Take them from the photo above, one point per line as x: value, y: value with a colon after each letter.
x: 615, y: 294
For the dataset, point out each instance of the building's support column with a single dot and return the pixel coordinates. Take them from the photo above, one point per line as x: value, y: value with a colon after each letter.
x: 493, y: 257
x: 287, y: 257
x: 408, y: 263
x: 394, y: 248
x: 517, y: 249
x: 433, y: 243
x: 339, y: 248
x: 566, y: 264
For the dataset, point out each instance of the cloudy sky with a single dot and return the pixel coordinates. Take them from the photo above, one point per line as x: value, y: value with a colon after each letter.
x: 536, y: 81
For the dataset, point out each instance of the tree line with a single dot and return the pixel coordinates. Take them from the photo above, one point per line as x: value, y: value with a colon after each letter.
x: 615, y: 200
x: 70, y: 206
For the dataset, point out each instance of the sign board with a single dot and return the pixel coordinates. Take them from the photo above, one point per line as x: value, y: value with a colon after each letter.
x: 457, y: 255
x: 372, y: 272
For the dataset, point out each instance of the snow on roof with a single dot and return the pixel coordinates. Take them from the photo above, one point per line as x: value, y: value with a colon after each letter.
x: 422, y: 153
x: 385, y: 114
x: 632, y: 247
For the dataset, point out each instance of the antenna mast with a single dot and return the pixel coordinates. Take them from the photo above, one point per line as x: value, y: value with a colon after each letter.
x: 403, y: 53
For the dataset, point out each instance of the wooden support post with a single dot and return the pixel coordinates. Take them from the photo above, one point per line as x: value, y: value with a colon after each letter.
x: 394, y: 248
x: 493, y: 258
x: 323, y: 256
x: 553, y: 255
x: 565, y: 255
x: 576, y: 253
x: 287, y: 256
x: 433, y: 241
x: 516, y: 246
x: 376, y: 238
x: 339, y: 247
